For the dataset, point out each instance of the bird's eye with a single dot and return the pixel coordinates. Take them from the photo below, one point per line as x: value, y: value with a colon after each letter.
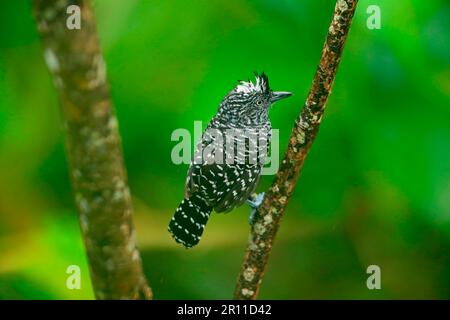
x: 259, y: 103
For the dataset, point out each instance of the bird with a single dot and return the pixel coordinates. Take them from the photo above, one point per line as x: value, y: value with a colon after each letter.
x: 228, y: 160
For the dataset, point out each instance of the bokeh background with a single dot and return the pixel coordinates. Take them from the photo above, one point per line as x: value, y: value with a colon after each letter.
x: 375, y: 188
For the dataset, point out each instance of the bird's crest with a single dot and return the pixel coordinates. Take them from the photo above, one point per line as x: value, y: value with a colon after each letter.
x: 261, y: 85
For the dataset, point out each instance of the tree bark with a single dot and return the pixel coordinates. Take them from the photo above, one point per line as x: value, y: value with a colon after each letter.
x: 268, y: 217
x: 94, y: 150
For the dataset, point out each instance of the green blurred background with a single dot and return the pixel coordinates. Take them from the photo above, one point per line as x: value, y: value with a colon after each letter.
x: 375, y: 188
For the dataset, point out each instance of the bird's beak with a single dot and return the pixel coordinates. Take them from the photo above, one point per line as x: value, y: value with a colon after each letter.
x: 278, y: 95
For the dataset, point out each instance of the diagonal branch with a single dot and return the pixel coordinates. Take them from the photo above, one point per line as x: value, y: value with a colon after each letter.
x: 306, y: 126
x: 94, y: 150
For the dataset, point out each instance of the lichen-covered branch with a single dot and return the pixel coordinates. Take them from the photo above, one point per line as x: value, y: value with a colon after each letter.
x: 94, y: 151
x: 269, y: 215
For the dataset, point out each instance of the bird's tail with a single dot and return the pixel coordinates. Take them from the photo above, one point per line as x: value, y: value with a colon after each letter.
x: 189, y: 220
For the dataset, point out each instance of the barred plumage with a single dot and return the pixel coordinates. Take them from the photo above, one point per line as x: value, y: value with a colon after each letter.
x: 228, y: 160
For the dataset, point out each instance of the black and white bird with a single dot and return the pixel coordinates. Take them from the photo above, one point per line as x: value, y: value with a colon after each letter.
x: 228, y: 160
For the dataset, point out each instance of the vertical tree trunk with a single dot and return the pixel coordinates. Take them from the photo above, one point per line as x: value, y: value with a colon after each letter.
x: 93, y: 149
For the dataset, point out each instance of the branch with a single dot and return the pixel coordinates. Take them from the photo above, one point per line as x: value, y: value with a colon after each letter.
x: 266, y: 224
x: 94, y: 150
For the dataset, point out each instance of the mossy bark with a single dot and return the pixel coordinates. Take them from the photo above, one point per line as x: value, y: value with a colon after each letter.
x: 94, y: 151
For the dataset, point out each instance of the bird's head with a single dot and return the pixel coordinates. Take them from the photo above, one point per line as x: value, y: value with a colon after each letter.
x: 248, y: 103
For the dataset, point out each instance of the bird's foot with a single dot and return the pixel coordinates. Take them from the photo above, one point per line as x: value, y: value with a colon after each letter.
x: 254, y: 201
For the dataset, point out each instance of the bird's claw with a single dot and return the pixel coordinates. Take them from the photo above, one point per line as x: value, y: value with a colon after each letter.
x: 254, y: 201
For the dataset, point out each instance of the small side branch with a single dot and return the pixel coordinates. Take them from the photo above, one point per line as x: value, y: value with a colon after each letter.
x: 266, y: 224
x: 94, y: 151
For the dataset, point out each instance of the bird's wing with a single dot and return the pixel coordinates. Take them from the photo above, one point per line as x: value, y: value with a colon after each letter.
x: 195, y: 170
x: 244, y: 184
x: 224, y: 186
x: 199, y: 167
x: 209, y: 179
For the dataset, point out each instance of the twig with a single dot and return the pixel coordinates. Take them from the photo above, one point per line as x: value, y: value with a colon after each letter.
x: 93, y: 147
x: 269, y: 215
